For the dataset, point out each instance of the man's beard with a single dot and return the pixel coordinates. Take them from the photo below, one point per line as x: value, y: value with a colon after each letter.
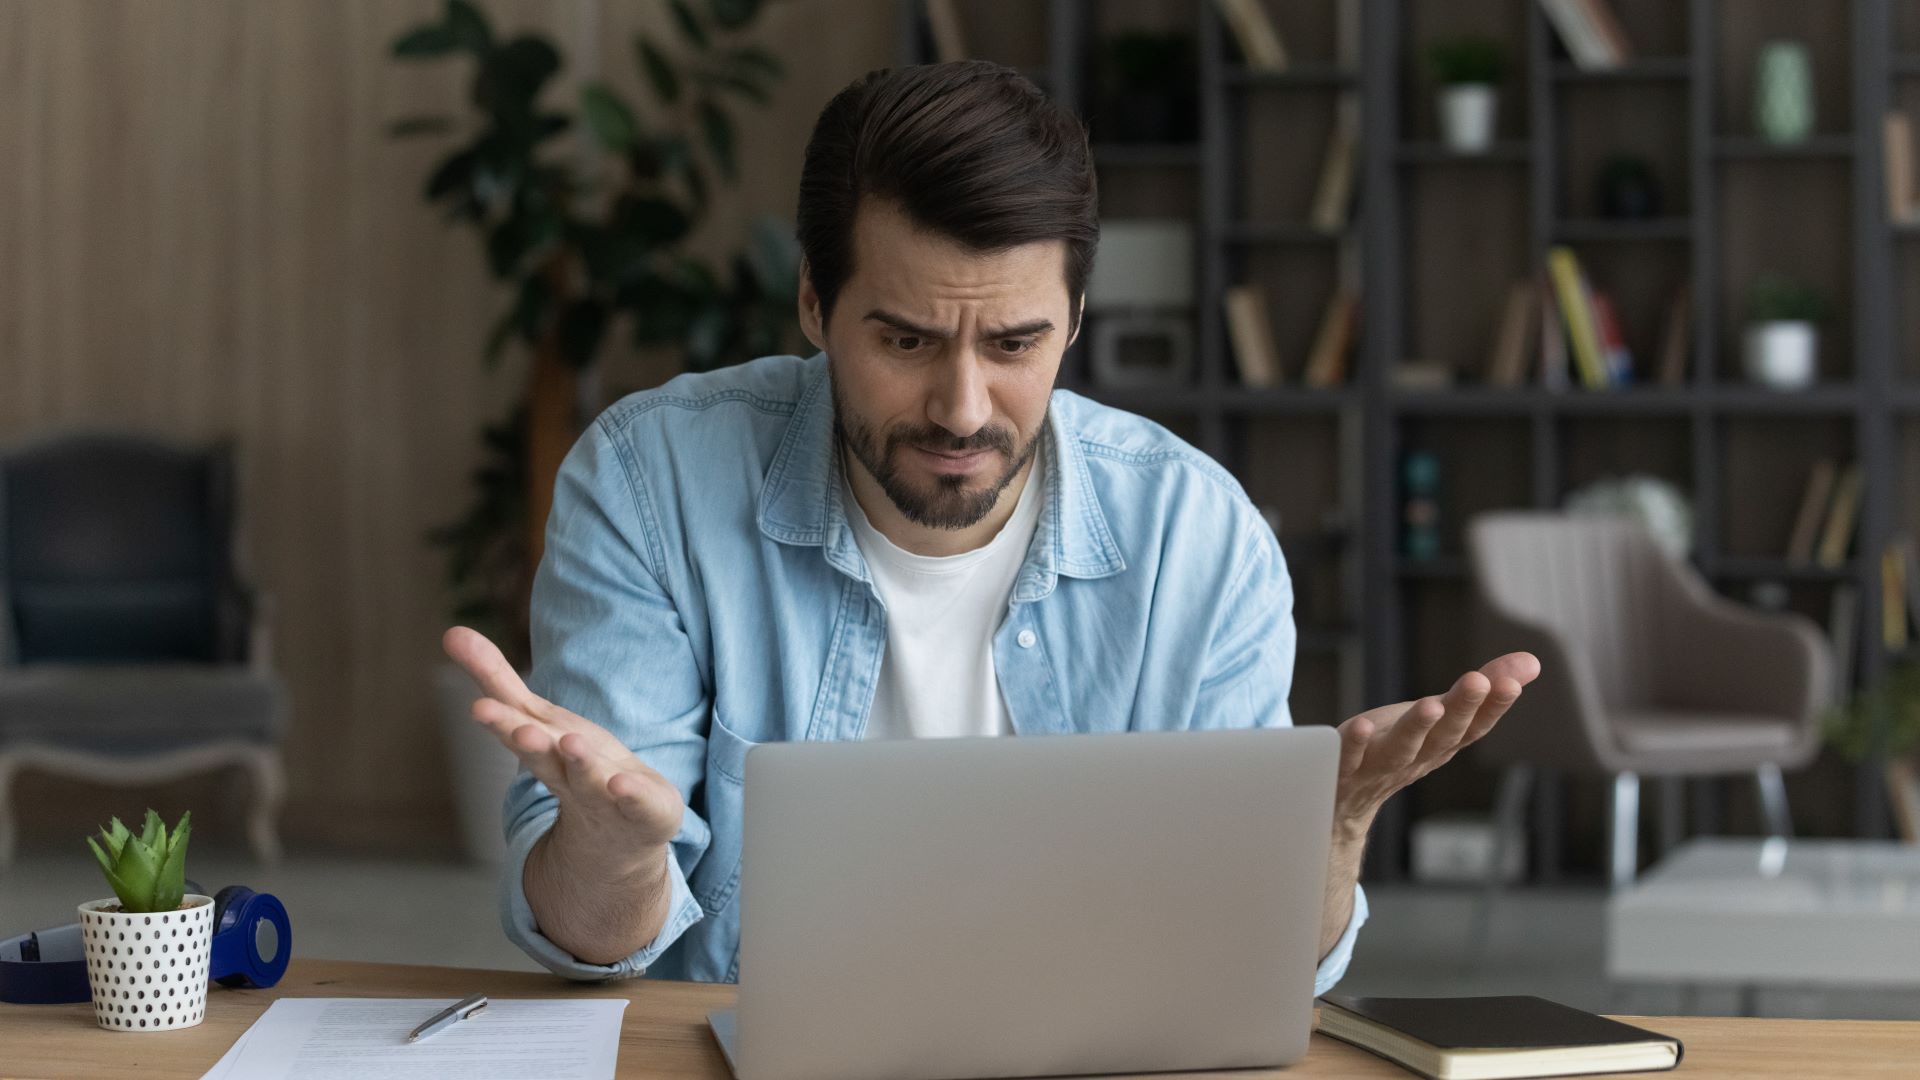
x: 949, y: 505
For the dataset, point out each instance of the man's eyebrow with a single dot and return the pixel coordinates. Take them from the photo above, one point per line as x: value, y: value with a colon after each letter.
x: 1037, y: 326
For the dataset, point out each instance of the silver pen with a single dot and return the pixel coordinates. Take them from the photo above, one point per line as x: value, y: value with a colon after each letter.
x: 448, y: 1016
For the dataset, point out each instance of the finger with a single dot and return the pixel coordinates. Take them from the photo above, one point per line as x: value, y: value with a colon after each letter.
x: 1505, y: 692
x: 529, y: 741
x: 483, y: 660
x: 1401, y: 745
x: 1462, y: 702
x: 1354, y: 735
x: 1521, y: 667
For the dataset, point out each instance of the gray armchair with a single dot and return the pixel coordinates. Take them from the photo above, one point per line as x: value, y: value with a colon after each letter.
x: 1646, y: 671
x: 130, y: 650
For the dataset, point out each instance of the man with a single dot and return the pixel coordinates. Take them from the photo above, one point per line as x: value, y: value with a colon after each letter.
x: 908, y: 535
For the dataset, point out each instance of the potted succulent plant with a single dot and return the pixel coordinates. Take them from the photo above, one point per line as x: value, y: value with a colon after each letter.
x: 1469, y: 71
x: 147, y: 945
x: 1782, y: 340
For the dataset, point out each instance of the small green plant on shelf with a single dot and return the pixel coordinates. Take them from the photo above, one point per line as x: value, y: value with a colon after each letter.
x: 148, y: 872
x: 1850, y: 728
x: 1780, y: 299
x: 1473, y: 61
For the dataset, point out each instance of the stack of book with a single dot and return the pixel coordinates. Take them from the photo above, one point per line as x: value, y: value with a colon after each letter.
x: 1829, y: 516
x: 1580, y: 334
x: 1250, y: 330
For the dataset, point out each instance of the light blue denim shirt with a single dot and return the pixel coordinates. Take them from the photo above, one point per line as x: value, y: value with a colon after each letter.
x: 702, y: 592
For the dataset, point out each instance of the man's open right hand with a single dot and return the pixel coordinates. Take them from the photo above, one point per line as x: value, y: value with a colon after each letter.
x: 611, y: 803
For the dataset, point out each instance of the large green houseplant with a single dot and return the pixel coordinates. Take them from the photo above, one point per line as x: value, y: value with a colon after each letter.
x: 594, y: 248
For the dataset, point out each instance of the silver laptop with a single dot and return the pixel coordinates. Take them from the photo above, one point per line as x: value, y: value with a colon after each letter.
x: 1031, y: 906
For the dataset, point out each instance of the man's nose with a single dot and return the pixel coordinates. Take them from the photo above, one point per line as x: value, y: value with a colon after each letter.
x: 960, y: 402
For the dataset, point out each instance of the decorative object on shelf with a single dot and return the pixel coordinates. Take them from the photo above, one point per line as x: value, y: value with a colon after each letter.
x: 1783, y: 110
x: 1459, y: 849
x: 1903, y: 203
x: 1140, y: 303
x: 943, y: 27
x: 1420, y: 505
x: 1148, y: 92
x: 1592, y: 35
x: 1629, y: 190
x: 1141, y: 349
x: 157, y: 929
x: 1889, y: 711
x: 1250, y: 327
x: 1469, y: 71
x: 1655, y: 503
x: 1260, y: 46
x: 1782, y: 339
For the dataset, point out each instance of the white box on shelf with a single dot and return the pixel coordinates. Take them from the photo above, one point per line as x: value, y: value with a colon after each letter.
x: 1459, y: 850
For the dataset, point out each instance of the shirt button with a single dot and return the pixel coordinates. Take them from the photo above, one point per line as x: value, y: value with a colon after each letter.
x: 1027, y: 638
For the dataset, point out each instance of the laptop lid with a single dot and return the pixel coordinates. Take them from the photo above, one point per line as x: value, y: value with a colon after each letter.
x: 1044, y: 905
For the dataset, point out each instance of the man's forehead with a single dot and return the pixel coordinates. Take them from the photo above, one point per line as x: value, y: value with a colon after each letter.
x: 897, y: 257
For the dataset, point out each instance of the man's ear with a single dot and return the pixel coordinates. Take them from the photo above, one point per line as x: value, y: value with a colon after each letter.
x: 809, y: 308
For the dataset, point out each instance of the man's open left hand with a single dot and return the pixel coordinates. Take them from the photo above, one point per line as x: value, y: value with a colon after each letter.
x: 1383, y: 750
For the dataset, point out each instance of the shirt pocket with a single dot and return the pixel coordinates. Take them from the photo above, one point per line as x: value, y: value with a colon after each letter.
x: 718, y: 874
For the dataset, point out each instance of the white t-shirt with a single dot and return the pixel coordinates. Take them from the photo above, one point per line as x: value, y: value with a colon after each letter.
x: 936, y: 676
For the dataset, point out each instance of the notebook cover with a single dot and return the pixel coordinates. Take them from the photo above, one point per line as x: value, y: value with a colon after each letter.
x: 1494, y: 1023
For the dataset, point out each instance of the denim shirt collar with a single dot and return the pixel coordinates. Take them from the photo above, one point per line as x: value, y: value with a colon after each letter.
x: 800, y: 501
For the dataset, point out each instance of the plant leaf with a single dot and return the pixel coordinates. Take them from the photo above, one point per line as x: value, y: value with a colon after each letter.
x: 451, y: 175
x: 170, y: 886
x: 733, y: 14
x: 153, y: 831
x: 717, y: 126
x: 609, y: 119
x: 689, y: 24
x: 116, y: 839
x: 468, y: 27
x: 757, y: 58
x: 736, y: 83
x: 139, y: 869
x: 419, y: 125
x: 660, y: 71
x: 425, y: 41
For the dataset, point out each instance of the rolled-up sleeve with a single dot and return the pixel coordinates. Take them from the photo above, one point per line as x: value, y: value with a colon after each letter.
x: 609, y: 645
x: 1250, y: 675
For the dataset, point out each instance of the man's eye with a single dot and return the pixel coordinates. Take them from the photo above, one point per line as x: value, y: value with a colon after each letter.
x: 1020, y: 346
x: 907, y: 343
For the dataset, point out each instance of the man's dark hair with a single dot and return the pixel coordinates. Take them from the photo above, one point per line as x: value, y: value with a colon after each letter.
x: 971, y: 150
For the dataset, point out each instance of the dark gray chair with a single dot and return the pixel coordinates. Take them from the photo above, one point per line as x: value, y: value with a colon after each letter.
x: 130, y: 649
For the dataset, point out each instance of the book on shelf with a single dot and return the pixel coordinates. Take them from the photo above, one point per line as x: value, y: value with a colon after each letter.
x: 1844, y: 517
x: 1843, y: 623
x: 1903, y: 203
x: 1507, y: 364
x: 1910, y: 557
x: 1253, y: 30
x: 1813, y: 507
x: 1592, y: 35
x: 943, y: 21
x: 1577, y: 312
x: 1333, y: 196
x: 1494, y: 1037
x: 1613, y: 339
x: 1553, y: 336
x: 1250, y: 327
x: 1677, y: 340
x: 1333, y: 342
x: 1421, y: 375
x: 1893, y: 598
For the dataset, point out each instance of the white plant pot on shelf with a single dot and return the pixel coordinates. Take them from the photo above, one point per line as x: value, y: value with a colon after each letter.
x: 1783, y: 355
x: 1467, y: 112
x: 148, y: 970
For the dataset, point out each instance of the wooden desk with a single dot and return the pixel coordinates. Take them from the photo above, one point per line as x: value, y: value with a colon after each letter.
x: 666, y: 1032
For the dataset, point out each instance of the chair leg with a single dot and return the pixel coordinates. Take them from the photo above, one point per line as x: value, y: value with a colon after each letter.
x: 1773, y: 800
x: 1673, y: 813
x: 1625, y: 837
x: 1509, y: 829
x: 8, y: 766
x: 269, y: 788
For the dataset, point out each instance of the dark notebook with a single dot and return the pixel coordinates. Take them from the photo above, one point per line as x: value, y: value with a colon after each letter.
x: 1494, y: 1038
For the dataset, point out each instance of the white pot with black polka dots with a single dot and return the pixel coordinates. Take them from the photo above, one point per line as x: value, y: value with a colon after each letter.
x: 148, y: 970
